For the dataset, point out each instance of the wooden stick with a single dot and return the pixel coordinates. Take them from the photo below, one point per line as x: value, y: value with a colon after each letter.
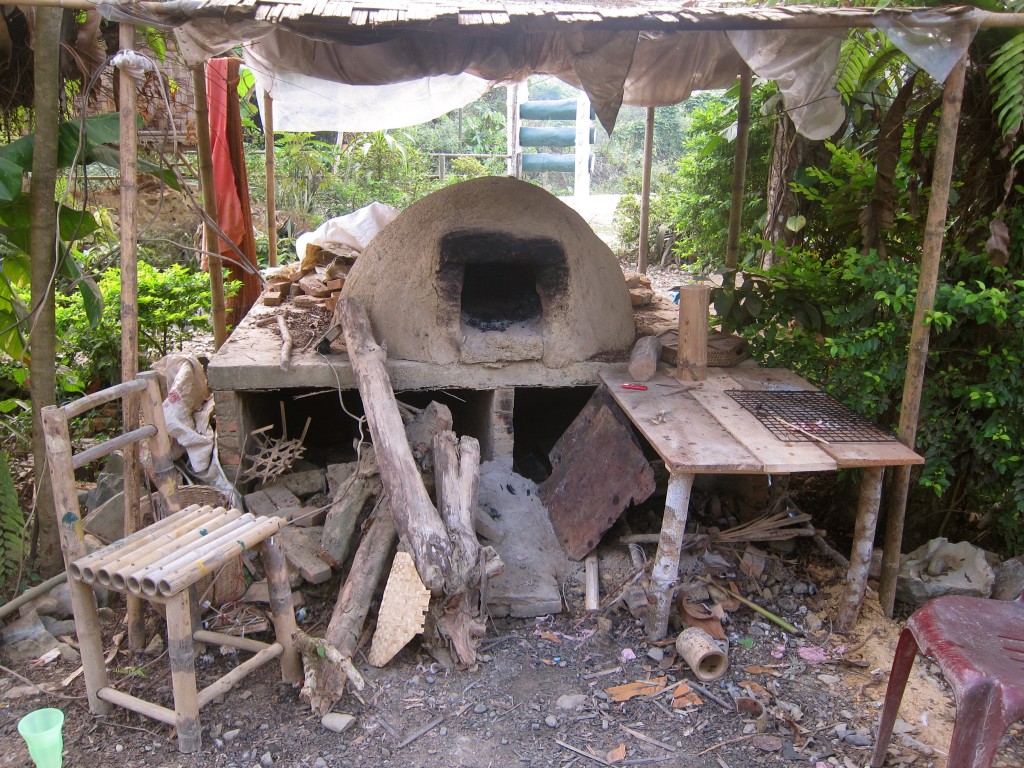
x: 415, y: 517
x: 420, y: 732
x: 755, y: 607
x: 31, y: 594
x: 268, y: 152
x: 739, y: 172
x: 913, y: 383
x: 592, y: 599
x: 286, y: 342
x: 645, y: 191
x: 581, y: 753
x: 141, y: 706
x: 224, y: 684
x: 104, y: 396
x: 318, y: 647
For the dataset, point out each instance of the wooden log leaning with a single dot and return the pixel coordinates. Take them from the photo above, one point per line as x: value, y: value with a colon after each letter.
x: 643, y: 360
x: 325, y: 683
x: 416, y: 519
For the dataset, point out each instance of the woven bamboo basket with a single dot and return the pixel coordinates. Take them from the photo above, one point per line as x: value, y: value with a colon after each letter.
x: 724, y: 350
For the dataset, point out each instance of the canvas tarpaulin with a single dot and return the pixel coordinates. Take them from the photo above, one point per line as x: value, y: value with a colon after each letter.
x: 613, y: 66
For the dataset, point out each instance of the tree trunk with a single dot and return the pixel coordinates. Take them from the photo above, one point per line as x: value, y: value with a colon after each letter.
x: 42, y: 334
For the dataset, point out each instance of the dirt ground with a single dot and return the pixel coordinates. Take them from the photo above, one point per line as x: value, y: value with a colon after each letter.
x: 543, y: 695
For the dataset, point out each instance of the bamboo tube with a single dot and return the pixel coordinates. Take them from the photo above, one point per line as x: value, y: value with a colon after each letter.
x: 282, y: 611
x: 592, y: 600
x: 232, y: 678
x: 181, y: 650
x: 87, y: 403
x: 219, y: 638
x: 171, y: 581
x: 116, y: 572
x: 645, y: 192
x: 140, y: 706
x: 120, y: 573
x: 109, y: 552
x: 702, y: 654
x: 181, y: 550
x: 268, y: 149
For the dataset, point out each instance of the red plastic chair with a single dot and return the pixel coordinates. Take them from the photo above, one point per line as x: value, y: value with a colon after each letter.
x: 979, y: 646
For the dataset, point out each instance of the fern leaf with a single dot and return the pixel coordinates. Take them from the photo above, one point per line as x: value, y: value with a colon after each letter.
x: 12, y: 524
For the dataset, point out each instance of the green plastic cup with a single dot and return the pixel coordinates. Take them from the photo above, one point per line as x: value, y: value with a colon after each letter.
x: 41, y: 730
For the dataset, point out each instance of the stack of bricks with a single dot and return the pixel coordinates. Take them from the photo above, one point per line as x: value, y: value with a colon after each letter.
x: 310, y: 290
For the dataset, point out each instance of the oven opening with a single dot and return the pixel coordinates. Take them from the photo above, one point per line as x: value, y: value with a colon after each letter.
x: 497, y: 281
x: 496, y: 296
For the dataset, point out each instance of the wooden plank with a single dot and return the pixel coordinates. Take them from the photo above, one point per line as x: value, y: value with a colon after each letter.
x: 684, y: 434
x: 776, y: 456
x: 889, y: 454
x: 602, y: 471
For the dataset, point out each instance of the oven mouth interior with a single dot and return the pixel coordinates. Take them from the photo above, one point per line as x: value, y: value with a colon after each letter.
x: 498, y: 280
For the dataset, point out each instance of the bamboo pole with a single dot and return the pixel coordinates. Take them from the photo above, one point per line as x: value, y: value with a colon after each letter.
x: 218, y: 311
x: 129, y: 148
x: 645, y: 192
x: 181, y: 649
x: 268, y: 149
x: 176, y: 577
x: 931, y: 253
x: 85, y: 568
x: 739, y: 176
x: 224, y: 684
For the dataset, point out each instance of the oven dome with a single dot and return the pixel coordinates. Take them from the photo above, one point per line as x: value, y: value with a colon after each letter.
x: 492, y: 270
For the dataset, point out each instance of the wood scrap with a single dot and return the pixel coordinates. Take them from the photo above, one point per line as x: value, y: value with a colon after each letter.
x: 346, y: 625
x: 349, y: 501
x: 643, y: 360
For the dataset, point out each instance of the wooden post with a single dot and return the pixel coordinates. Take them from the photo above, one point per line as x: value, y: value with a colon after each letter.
x: 581, y: 186
x: 692, y: 358
x: 218, y: 310
x: 739, y: 174
x: 129, y: 142
x: 665, y: 573
x: 268, y: 149
x: 180, y: 649
x: 645, y: 192
x: 72, y: 543
x: 164, y: 473
x: 863, y: 543
x: 931, y: 253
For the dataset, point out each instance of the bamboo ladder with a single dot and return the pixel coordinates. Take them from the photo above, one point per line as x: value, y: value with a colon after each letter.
x: 161, y: 563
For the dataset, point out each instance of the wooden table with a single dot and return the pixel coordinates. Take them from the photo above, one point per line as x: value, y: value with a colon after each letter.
x: 697, y: 428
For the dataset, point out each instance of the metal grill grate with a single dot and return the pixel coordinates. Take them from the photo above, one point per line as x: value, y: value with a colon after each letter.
x: 798, y: 416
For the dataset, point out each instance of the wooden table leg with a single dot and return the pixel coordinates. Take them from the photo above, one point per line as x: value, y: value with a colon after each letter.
x: 863, y: 543
x: 665, y: 574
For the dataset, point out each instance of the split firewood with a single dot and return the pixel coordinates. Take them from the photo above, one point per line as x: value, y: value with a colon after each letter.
x: 315, y: 651
x: 349, y: 501
x: 643, y: 360
x: 346, y: 624
x: 441, y: 540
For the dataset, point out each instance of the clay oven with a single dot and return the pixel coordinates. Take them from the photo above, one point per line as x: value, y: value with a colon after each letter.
x: 492, y: 270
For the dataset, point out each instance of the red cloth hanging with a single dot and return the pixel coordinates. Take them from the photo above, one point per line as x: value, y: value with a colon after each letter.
x: 231, y: 184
